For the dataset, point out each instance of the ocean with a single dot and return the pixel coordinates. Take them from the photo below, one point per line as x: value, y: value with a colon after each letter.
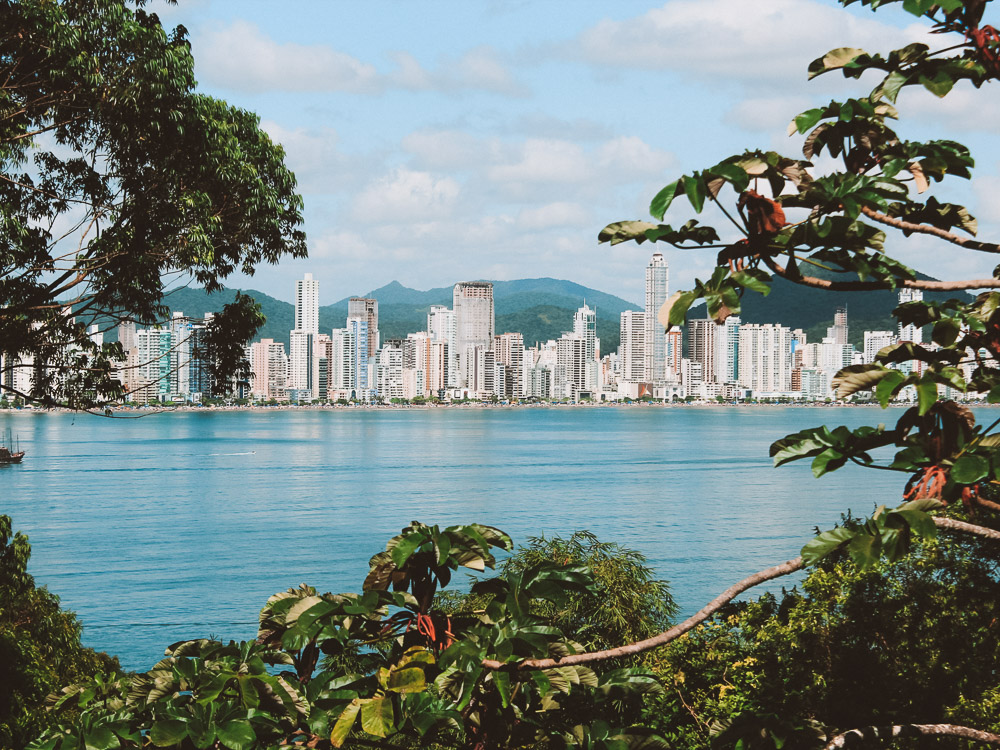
x: 180, y: 525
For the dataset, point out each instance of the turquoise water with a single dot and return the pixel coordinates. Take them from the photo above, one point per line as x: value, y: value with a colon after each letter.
x: 181, y: 525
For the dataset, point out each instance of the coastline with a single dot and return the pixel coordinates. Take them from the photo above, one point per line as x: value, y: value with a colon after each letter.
x: 151, y: 410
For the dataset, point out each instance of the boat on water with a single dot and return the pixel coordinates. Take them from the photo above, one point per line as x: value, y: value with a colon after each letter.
x: 9, y: 452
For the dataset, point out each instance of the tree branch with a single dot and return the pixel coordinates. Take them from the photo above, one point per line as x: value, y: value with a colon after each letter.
x: 909, y: 226
x: 867, y: 286
x: 866, y: 735
x: 777, y: 571
x: 968, y: 528
x: 665, y: 637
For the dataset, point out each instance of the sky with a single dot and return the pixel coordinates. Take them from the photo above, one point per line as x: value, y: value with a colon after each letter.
x: 441, y: 141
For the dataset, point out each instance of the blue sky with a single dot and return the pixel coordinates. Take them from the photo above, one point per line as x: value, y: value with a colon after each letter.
x: 440, y: 141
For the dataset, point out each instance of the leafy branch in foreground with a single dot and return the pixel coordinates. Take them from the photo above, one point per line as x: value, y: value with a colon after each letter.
x: 117, y: 181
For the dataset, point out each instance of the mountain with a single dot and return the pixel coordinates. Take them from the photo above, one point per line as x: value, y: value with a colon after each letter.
x: 540, y: 309
x: 812, y: 309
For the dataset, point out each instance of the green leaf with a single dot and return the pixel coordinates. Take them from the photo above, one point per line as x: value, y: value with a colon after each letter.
x: 406, y: 547
x: 696, y: 191
x: 888, y: 387
x: 674, y: 310
x: 892, y: 84
x: 237, y: 734
x: 865, y: 549
x: 377, y: 716
x: 805, y: 121
x: 662, y: 200
x: 829, y: 460
x: 409, y: 680
x: 168, y: 733
x: 100, y: 738
x: 969, y: 469
x: 823, y: 544
x: 744, y: 279
x: 926, y: 396
x: 344, y: 723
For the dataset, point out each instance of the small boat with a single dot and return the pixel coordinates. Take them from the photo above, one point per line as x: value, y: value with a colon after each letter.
x: 9, y: 453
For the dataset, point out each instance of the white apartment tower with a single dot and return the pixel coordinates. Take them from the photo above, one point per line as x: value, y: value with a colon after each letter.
x: 366, y: 308
x: 875, y: 341
x: 307, y: 304
x: 474, y: 319
x: 585, y: 326
x: 911, y: 333
x: 441, y: 327
x: 657, y: 284
x: 632, y: 348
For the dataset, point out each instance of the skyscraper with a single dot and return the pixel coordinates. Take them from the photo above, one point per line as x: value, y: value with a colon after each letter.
x: 701, y: 335
x: 307, y: 304
x: 509, y: 351
x: 441, y: 327
x: 632, y: 348
x: 366, y: 308
x: 657, y: 284
x: 585, y: 326
x: 911, y: 333
x: 474, y: 320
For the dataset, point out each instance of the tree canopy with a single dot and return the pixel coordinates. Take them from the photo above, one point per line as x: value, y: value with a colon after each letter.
x: 892, y: 634
x: 117, y: 179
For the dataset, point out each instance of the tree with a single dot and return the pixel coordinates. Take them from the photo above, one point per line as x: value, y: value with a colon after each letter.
x: 40, y: 647
x: 784, y: 218
x: 400, y: 669
x: 116, y: 179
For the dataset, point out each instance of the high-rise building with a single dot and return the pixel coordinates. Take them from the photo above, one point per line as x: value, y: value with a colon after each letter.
x: 632, y: 346
x: 839, y: 330
x: 441, y: 327
x: 366, y: 308
x: 585, y: 326
x: 509, y: 350
x: 765, y: 357
x: 875, y: 341
x: 474, y: 319
x: 358, y: 342
x: 307, y: 304
x: 911, y: 333
x: 269, y: 369
x: 303, y: 367
x: 675, y: 348
x: 701, y: 339
x: 727, y: 357
x: 657, y: 285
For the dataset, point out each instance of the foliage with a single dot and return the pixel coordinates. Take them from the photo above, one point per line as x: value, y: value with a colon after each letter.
x: 117, y: 176
x: 40, y: 647
x: 911, y: 641
x: 398, y: 667
x: 788, y: 218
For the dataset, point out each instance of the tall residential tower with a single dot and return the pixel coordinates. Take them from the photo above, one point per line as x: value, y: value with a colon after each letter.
x: 657, y: 284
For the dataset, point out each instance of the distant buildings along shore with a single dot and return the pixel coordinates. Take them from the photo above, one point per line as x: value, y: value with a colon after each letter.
x: 460, y: 356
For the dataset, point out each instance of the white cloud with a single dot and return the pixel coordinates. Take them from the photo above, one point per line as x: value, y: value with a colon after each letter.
x: 450, y: 149
x: 766, y: 114
x: 629, y: 157
x: 558, y: 214
x: 243, y: 58
x: 545, y: 161
x: 765, y: 42
x: 987, y: 199
x: 964, y: 109
x: 406, y: 196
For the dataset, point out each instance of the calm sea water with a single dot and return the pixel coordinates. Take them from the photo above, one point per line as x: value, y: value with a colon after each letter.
x: 181, y: 525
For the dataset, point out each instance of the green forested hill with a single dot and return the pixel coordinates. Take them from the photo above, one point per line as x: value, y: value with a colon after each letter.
x: 542, y: 309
